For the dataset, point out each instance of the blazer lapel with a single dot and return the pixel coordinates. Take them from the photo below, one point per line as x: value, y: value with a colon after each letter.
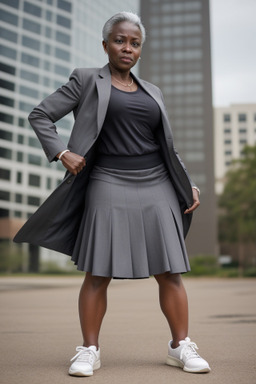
x: 104, y: 89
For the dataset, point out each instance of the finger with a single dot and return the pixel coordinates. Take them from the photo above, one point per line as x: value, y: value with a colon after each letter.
x: 192, y: 208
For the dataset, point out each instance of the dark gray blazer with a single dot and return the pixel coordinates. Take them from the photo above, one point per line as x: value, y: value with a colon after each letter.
x: 55, y: 224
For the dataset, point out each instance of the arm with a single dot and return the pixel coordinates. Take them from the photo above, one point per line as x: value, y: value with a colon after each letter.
x: 52, y: 109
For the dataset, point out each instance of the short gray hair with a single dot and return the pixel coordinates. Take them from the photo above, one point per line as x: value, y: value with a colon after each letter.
x: 118, y: 18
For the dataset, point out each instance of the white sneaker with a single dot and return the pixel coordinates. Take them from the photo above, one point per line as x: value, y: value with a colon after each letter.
x: 85, y: 361
x: 186, y: 357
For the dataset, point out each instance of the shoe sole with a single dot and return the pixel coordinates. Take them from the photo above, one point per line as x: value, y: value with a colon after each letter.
x: 177, y: 363
x: 85, y: 374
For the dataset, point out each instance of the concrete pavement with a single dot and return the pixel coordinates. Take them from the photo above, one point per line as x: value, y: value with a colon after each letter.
x: 40, y: 329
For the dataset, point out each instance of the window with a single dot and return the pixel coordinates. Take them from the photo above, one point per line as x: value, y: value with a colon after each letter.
x: 6, y: 101
x: 30, y: 60
x: 61, y: 54
x: 4, y: 195
x: 31, y: 43
x: 65, y: 5
x: 26, y: 106
x: 227, y: 130
x: 30, y: 76
x: 7, y: 68
x: 31, y: 92
x: 7, y: 85
x: 243, y: 141
x: 5, y: 135
x: 226, y: 118
x: 34, y: 142
x: 8, y: 17
x: 17, y: 214
x: 11, y: 3
x: 47, y: 49
x: 4, y: 212
x: 228, y: 153
x: 8, y: 35
x: 5, y: 174
x: 8, y: 52
x: 63, y: 21
x: 6, y: 118
x: 20, y: 139
x: 63, y: 38
x: 34, y: 180
x: 32, y: 9
x: 241, y: 117
x: 32, y: 200
x: 18, y: 198
x: 30, y: 25
x: 49, y: 183
x: 21, y: 122
x: 48, y: 32
x: 19, y: 157
x: 242, y: 130
x: 227, y: 141
x: 34, y: 159
x: 48, y: 15
x: 18, y: 177
x: 59, y: 69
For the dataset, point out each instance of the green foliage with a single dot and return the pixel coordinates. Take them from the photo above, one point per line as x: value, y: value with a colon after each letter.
x: 205, y: 265
x: 11, y: 258
x: 237, y: 221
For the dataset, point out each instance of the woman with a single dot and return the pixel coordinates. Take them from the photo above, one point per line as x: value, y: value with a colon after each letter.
x: 125, y: 205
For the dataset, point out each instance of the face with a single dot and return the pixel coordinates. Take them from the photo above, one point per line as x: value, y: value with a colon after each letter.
x: 123, y: 46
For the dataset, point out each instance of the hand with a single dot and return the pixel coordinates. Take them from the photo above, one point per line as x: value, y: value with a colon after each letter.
x: 72, y: 162
x: 196, y: 201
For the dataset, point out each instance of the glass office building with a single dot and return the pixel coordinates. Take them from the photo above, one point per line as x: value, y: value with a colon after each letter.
x: 41, y: 42
x: 177, y: 58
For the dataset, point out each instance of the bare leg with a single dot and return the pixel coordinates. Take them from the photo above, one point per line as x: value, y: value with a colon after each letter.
x: 174, y: 304
x: 92, y: 307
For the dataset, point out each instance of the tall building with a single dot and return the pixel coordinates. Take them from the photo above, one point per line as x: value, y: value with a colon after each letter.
x: 41, y: 42
x: 234, y: 127
x: 177, y: 58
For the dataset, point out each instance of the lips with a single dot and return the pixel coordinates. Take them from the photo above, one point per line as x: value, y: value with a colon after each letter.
x: 126, y: 59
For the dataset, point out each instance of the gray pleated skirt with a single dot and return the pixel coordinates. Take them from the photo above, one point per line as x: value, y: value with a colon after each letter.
x: 131, y: 226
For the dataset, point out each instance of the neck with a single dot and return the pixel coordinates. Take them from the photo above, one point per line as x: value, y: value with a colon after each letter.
x: 123, y: 76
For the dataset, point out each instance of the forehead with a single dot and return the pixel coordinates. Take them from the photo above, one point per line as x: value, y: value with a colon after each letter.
x: 126, y: 28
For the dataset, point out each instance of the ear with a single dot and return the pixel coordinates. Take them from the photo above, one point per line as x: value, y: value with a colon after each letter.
x: 105, y: 46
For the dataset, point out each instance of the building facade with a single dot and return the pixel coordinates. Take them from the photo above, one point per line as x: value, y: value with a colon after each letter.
x: 177, y: 58
x: 41, y: 42
x: 234, y: 127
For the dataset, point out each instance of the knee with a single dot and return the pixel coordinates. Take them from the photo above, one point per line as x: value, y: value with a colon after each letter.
x: 96, y: 282
x: 169, y: 280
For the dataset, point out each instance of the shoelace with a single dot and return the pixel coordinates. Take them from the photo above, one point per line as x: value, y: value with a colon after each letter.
x: 188, y: 349
x: 84, y: 354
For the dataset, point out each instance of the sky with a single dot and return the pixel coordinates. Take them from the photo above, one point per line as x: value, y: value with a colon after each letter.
x: 233, y: 49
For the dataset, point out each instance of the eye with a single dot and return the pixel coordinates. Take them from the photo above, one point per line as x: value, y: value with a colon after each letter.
x: 119, y: 41
x: 136, y: 44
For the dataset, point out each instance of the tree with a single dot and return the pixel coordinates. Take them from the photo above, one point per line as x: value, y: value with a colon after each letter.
x: 237, y: 221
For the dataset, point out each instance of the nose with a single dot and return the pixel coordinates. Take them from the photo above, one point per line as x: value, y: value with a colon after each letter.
x: 127, y: 47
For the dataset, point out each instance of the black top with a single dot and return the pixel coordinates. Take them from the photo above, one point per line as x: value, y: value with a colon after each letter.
x: 130, y: 123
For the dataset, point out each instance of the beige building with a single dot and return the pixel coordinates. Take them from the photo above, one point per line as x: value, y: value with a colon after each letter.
x: 234, y: 127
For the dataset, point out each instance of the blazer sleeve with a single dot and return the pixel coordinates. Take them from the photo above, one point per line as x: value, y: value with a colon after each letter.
x: 52, y: 109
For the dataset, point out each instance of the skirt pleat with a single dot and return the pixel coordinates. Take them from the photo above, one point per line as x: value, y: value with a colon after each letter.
x: 131, y: 225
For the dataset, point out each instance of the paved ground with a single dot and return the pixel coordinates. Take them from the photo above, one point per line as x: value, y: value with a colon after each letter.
x: 39, y: 331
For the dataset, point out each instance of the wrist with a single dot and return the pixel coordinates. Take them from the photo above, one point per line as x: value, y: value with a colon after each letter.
x: 62, y: 153
x: 197, y: 189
